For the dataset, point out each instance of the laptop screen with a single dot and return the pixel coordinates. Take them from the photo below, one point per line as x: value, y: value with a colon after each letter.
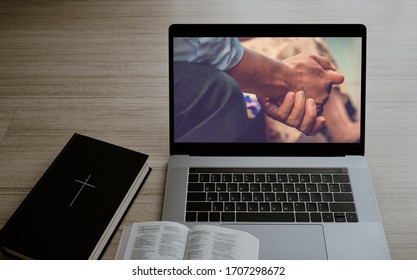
x: 267, y: 89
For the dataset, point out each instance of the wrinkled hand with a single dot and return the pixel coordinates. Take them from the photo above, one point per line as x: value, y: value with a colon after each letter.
x: 314, y: 75
x: 295, y: 111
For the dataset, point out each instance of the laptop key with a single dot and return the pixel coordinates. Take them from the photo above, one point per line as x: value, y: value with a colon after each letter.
x: 277, y: 187
x: 221, y: 187
x: 232, y: 187
x: 229, y: 206
x: 287, y: 207
x: 196, y: 196
x: 305, y: 178
x: 202, y: 216
x: 271, y: 178
x: 300, y: 187
x: 215, y: 178
x: 228, y: 217
x: 209, y: 187
x: 282, y: 178
x: 264, y: 207
x: 315, y: 178
x: 315, y: 197
x: 299, y: 207
x: 246, y: 196
x: 266, y: 187
x: 302, y: 217
x: 217, y: 206
x: 327, y: 178
x: 328, y: 217
x: 315, y: 217
x: 198, y: 206
x: 339, y: 217
x: 351, y: 217
x: 195, y: 187
x: 342, y: 207
x: 293, y: 197
x: 260, y: 178
x: 227, y: 178
x: 241, y: 206
x: 238, y: 178
x: 345, y: 188
x: 304, y: 197
x: 281, y: 197
x: 289, y: 188
x: 258, y: 197
x: 214, y: 217
x: 341, y: 178
x: 276, y: 207
x: 323, y: 187
x: 334, y: 187
x: 243, y: 187
x: 253, y: 206
x: 191, y: 216
x: 234, y: 196
x: 255, y: 187
x: 269, y: 197
x: 193, y: 178
x: 204, y: 178
x: 323, y: 207
x: 224, y: 196
x: 265, y: 217
x: 249, y: 178
x: 311, y: 207
x: 343, y: 197
x: 212, y: 196
x: 312, y: 187
x: 327, y: 197
x: 293, y: 178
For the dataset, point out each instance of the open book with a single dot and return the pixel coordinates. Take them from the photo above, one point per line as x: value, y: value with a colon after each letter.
x: 169, y: 240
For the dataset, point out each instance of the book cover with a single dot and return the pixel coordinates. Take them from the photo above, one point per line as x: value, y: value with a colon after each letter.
x: 75, y: 207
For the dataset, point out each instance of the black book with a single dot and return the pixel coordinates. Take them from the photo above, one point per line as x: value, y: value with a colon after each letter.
x: 74, y: 209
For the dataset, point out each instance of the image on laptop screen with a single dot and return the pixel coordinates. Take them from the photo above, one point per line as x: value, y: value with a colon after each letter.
x: 211, y: 106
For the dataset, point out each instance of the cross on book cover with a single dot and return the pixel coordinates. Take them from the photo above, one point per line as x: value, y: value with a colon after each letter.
x: 76, y: 206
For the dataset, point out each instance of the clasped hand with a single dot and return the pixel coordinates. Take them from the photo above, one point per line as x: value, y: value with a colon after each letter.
x: 310, y: 80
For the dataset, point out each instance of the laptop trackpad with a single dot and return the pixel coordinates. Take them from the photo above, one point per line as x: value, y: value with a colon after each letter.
x: 287, y: 242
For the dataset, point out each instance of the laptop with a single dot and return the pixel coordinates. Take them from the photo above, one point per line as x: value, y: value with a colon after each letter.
x: 303, y: 196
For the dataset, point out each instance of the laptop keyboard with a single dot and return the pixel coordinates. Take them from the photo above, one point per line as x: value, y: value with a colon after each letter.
x: 270, y: 195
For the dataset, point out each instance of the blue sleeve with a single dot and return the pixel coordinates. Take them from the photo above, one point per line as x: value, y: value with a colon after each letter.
x: 221, y: 52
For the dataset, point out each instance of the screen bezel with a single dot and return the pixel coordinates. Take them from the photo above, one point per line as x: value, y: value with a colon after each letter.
x: 267, y: 30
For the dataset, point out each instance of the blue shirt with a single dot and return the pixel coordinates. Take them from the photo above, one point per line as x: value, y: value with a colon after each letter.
x: 221, y: 52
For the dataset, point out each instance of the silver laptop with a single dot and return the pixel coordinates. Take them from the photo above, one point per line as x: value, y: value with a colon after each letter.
x: 303, y: 196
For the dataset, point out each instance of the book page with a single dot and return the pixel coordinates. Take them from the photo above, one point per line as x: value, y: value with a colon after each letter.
x: 156, y: 241
x: 207, y: 242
